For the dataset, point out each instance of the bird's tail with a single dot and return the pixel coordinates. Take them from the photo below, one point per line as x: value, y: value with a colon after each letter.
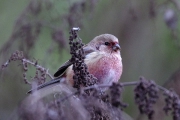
x: 53, y: 81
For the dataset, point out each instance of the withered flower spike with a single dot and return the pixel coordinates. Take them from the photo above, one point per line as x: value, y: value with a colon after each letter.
x: 146, y: 95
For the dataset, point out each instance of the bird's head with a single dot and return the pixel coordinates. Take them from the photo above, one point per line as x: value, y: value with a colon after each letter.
x: 107, y: 43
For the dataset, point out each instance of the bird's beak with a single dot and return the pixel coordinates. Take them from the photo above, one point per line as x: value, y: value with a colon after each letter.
x: 116, y: 47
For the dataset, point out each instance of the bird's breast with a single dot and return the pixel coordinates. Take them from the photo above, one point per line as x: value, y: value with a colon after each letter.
x: 107, y: 68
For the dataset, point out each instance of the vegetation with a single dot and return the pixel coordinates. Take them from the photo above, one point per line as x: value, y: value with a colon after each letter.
x: 148, y: 35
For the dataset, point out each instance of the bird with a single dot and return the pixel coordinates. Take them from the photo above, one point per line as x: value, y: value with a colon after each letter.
x: 103, y: 60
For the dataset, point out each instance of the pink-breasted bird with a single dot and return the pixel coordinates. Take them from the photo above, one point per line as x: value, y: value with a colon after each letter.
x: 103, y: 59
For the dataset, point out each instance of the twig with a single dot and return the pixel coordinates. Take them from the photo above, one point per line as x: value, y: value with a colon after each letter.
x: 96, y: 87
x: 107, y: 86
x: 163, y: 89
x: 38, y: 66
x: 129, y: 83
x: 18, y: 56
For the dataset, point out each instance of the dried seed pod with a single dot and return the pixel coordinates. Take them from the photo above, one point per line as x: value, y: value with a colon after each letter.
x: 172, y: 103
x: 146, y: 95
x: 115, y: 93
x: 81, y: 76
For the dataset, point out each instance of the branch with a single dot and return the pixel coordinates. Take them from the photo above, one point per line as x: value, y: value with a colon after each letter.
x: 38, y: 67
x: 18, y: 56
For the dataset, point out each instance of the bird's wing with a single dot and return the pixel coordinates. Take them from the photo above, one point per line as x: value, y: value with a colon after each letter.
x: 63, y: 68
x: 87, y: 50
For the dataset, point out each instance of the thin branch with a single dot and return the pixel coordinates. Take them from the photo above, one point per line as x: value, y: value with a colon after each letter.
x: 163, y: 89
x: 129, y: 83
x: 107, y: 86
x: 38, y: 66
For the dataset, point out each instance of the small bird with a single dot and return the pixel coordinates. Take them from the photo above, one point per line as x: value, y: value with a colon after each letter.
x: 103, y: 59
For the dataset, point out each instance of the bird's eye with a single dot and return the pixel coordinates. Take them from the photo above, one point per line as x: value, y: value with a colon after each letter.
x: 107, y: 43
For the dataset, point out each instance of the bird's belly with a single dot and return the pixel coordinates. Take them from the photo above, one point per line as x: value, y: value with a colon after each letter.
x: 106, y: 70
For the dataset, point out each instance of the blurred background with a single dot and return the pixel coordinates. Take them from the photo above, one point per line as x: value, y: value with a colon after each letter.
x: 148, y: 32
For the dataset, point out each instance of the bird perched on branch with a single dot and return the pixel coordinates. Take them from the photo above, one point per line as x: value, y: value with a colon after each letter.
x: 103, y: 59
